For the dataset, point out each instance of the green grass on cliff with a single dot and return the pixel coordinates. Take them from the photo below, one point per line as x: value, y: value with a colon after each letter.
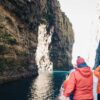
x: 7, y: 38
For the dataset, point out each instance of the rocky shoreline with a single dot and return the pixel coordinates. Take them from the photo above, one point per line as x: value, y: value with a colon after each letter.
x: 6, y: 79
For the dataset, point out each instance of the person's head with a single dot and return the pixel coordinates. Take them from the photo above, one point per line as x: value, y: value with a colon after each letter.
x: 81, y: 62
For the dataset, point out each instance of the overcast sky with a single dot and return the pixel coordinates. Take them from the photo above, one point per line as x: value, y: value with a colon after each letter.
x: 82, y: 14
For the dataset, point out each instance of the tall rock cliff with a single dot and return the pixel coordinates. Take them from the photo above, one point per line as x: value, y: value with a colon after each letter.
x: 97, y: 36
x: 19, y: 37
x: 62, y: 39
x: 97, y: 58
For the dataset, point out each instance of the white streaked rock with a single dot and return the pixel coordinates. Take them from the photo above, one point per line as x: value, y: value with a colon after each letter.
x: 42, y: 52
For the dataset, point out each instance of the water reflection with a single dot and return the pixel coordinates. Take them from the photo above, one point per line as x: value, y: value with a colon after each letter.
x: 57, y: 79
x: 17, y: 90
x: 42, y: 87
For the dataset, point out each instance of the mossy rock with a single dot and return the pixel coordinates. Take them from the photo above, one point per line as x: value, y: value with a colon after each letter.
x: 8, y: 38
x: 22, y: 53
x: 43, y: 21
x: 3, y: 49
x: 2, y: 64
x: 13, y: 64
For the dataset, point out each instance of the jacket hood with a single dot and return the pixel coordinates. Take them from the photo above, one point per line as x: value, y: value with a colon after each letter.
x: 85, y: 71
x: 82, y: 65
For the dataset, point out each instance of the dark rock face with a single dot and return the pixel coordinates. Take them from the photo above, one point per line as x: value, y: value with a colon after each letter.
x: 19, y: 21
x: 18, y: 42
x: 62, y: 39
x: 97, y: 58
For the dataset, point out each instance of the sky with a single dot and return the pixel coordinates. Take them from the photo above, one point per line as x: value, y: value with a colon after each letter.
x: 83, y: 15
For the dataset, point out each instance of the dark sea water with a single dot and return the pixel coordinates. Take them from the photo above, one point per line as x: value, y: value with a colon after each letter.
x: 46, y: 86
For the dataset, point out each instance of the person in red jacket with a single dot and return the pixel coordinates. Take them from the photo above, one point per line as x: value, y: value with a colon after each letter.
x: 80, y: 82
x: 65, y: 86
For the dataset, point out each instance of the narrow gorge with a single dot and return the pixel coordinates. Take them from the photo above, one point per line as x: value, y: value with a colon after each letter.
x: 34, y: 35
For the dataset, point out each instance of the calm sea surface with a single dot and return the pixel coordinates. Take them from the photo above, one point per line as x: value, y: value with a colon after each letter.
x: 44, y: 87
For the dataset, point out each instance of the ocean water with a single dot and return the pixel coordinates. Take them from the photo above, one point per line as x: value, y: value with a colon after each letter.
x: 46, y: 86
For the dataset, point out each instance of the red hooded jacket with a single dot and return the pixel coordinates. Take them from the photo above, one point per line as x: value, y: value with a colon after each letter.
x: 81, y: 82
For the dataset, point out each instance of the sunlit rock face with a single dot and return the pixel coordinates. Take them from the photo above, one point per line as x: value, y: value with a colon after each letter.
x: 42, y: 52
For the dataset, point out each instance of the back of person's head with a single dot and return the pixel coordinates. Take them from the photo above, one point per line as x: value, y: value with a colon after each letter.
x: 81, y: 62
